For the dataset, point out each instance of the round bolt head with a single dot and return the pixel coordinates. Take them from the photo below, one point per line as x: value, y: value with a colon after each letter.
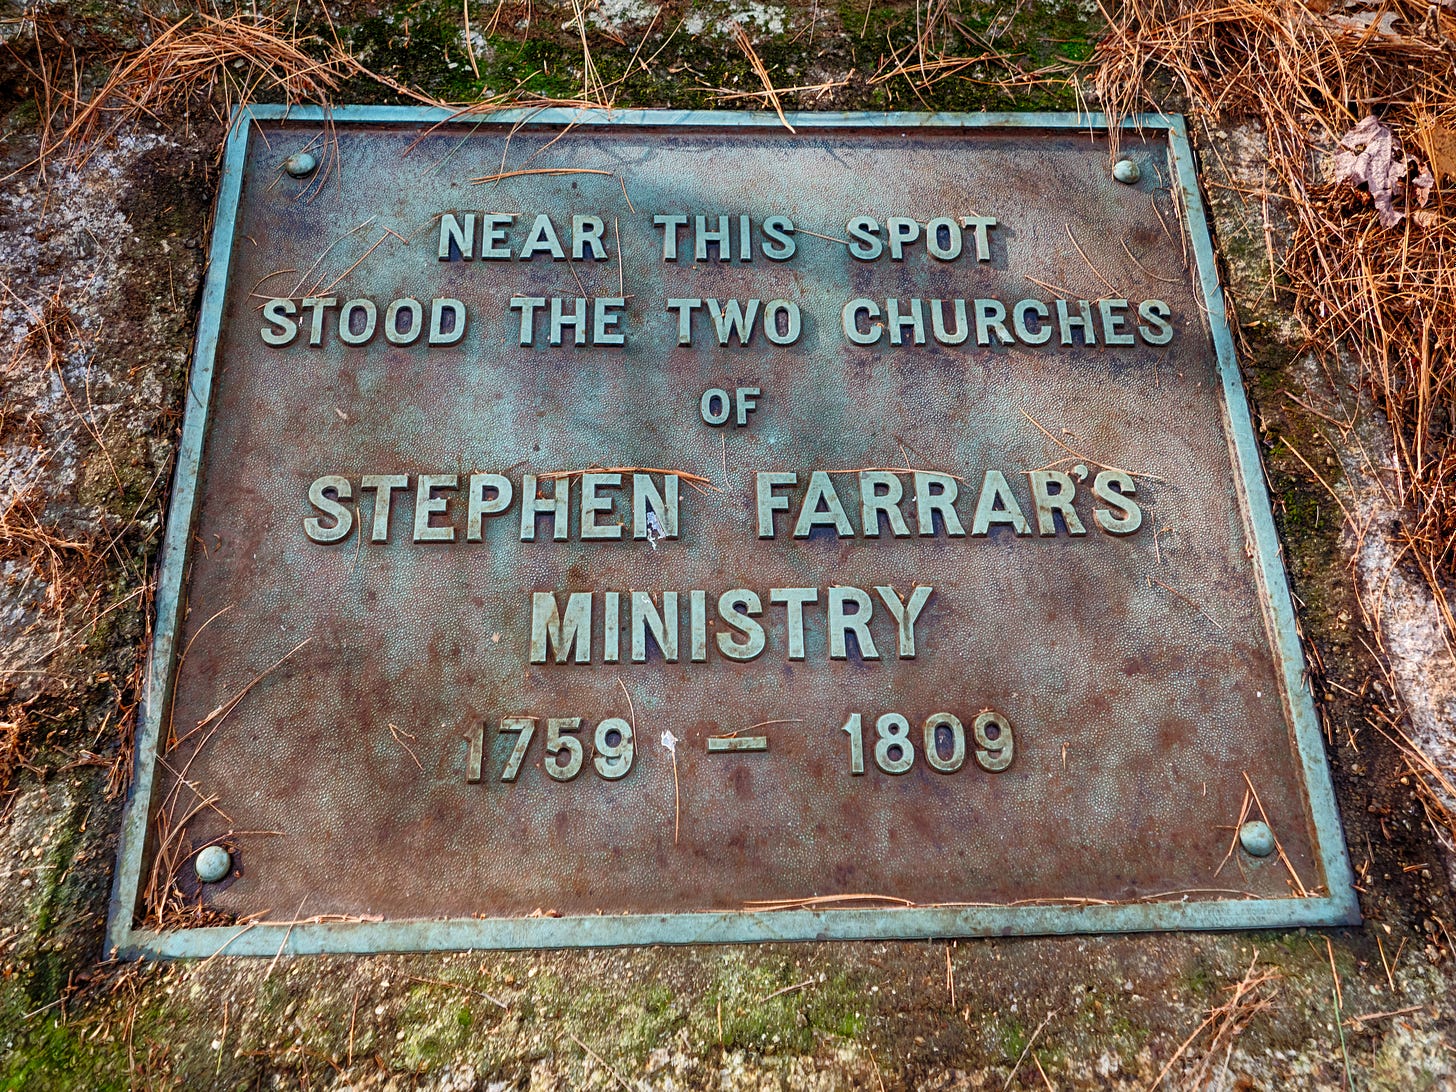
x: 213, y: 864
x: 1256, y: 838
x: 1125, y: 170
x: 300, y: 164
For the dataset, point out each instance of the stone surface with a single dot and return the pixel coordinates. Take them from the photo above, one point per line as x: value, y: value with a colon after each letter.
x: 1094, y: 1013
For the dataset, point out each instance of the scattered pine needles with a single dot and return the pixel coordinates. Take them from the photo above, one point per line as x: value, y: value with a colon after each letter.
x: 741, y: 37
x: 1380, y: 295
x: 234, y: 56
x: 1252, y: 995
x: 1386, y: 295
x: 12, y: 730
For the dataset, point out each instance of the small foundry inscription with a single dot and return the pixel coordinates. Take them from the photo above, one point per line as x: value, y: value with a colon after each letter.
x: 856, y: 518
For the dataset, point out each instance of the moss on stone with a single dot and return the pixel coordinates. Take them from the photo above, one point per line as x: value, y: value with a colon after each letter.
x: 775, y: 1006
x: 422, y: 44
x: 54, y: 1056
x: 49, y: 1052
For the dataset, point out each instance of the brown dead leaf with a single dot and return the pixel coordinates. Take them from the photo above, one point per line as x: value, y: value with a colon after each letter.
x: 11, y: 730
x: 1367, y: 22
x: 1439, y: 144
x: 1369, y: 157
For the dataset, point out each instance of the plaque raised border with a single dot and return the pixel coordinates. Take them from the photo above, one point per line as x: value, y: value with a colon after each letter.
x: 1338, y: 907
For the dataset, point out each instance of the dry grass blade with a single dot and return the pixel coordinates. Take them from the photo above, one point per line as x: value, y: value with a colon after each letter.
x: 469, y: 39
x: 463, y: 988
x: 926, y: 73
x: 1027, y: 1050
x: 1299, y: 888
x: 1252, y: 995
x: 403, y: 738
x: 894, y: 470
x: 592, y: 87
x: 1435, y: 786
x: 502, y: 175
x: 741, y: 37
x: 1191, y: 602
x: 232, y: 703
x: 1081, y: 456
x: 816, y: 89
x: 786, y: 989
x: 812, y: 901
x: 600, y: 1061
x: 696, y: 480
x: 12, y: 729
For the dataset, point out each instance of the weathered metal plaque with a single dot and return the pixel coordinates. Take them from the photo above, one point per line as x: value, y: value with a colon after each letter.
x: 674, y: 528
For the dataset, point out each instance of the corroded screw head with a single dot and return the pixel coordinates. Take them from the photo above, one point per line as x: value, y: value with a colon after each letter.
x: 1125, y: 170
x: 1256, y: 838
x: 213, y: 864
x: 300, y: 164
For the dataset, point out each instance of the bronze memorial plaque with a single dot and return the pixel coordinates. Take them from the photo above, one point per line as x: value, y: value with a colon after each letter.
x: 670, y: 527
